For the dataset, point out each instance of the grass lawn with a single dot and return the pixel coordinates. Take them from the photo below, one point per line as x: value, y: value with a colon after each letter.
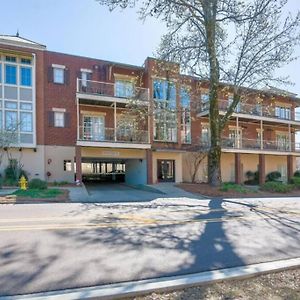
x: 35, y: 193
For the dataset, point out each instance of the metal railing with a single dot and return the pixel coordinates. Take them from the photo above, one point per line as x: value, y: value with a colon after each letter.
x: 255, y: 144
x: 109, y: 89
x: 251, y: 109
x: 87, y: 133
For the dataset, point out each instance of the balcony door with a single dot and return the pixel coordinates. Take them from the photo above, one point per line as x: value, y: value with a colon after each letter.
x: 235, y: 138
x: 94, y: 128
x: 166, y: 170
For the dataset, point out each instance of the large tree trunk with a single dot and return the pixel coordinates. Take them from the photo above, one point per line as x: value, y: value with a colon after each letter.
x: 214, y: 155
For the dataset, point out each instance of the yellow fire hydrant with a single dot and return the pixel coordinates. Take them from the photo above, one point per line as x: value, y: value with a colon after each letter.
x: 23, y: 183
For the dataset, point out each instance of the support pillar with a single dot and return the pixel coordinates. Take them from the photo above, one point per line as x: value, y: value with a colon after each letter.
x: 262, y: 169
x: 115, y: 121
x: 290, y: 167
x: 78, y: 164
x: 149, y: 158
x: 238, y: 168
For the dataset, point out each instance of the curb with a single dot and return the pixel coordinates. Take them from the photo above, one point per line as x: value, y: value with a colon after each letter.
x: 126, y: 289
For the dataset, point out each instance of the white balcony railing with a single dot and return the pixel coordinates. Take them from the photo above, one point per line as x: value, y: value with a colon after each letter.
x: 252, y: 109
x: 109, y: 89
x: 87, y: 133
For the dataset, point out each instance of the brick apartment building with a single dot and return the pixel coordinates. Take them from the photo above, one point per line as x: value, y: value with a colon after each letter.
x: 73, y: 120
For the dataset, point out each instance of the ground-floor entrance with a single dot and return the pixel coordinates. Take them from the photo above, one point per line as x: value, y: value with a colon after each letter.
x: 166, y: 170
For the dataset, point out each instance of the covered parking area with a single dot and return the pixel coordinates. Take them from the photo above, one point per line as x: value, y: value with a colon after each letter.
x: 111, y: 166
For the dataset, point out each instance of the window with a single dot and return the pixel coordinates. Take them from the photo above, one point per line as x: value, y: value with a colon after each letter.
x: 165, y: 123
x: 58, y: 75
x: 11, y: 105
x: 94, y: 130
x: 11, y: 120
x: 165, y: 90
x: 283, y: 112
x: 25, y: 75
x: 26, y: 121
x: 84, y: 78
x: 59, y: 119
x: 205, y: 136
x: 26, y: 61
x: 282, y: 141
x: 185, y: 116
x: 10, y: 74
x: 204, y: 101
x: 26, y: 106
x: 0, y: 73
x: 11, y: 58
x: 67, y: 165
x: 124, y: 89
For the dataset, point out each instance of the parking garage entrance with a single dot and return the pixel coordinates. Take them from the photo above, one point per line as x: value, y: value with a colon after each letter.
x: 99, y: 170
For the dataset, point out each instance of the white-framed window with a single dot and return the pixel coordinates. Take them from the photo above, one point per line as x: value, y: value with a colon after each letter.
x: 68, y: 165
x: 59, y: 119
x: 124, y: 88
x: 26, y: 121
x: 283, y: 112
x: 185, y: 102
x: 58, y: 75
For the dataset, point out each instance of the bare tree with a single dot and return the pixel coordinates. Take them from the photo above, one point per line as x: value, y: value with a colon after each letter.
x: 235, y: 43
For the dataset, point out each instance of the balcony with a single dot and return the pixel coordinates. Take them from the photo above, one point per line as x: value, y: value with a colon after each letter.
x: 257, y: 111
x: 265, y: 145
x: 109, y: 92
x: 110, y: 137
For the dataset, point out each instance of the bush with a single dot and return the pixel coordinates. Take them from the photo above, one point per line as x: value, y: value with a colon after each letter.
x: 297, y: 173
x: 230, y: 186
x: 13, y: 173
x: 37, y: 184
x: 252, y: 178
x: 274, y: 176
x: 296, y: 181
x: 277, y: 187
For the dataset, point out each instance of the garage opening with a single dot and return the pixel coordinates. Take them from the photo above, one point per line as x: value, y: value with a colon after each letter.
x: 99, y: 170
x: 94, y: 170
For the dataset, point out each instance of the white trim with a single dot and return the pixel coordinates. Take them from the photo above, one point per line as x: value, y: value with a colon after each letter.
x: 22, y: 45
x: 86, y: 70
x: 113, y: 145
x: 58, y: 109
x: 58, y: 66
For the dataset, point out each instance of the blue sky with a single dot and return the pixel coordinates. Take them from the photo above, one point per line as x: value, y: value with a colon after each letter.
x: 83, y: 27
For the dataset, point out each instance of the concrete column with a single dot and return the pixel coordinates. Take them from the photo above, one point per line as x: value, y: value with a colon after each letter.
x: 78, y: 163
x: 149, y: 158
x: 238, y: 168
x: 262, y: 168
x: 290, y: 166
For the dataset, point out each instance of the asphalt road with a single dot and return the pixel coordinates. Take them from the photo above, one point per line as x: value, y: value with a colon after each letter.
x: 47, y: 247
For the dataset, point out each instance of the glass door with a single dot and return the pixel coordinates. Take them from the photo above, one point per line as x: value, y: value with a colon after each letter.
x: 93, y: 128
x: 166, y: 170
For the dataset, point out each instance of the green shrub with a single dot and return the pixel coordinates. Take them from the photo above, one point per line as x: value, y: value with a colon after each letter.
x: 13, y: 173
x: 277, y: 187
x: 37, y: 184
x: 297, y: 173
x: 252, y: 178
x: 296, y: 181
x: 230, y: 186
x: 274, y: 176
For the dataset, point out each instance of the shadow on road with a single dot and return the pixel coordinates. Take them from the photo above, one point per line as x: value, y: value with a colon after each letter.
x: 84, y: 257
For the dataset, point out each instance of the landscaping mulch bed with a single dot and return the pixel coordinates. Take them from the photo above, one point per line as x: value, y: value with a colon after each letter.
x: 283, y: 285
x: 207, y: 190
x: 13, y: 199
